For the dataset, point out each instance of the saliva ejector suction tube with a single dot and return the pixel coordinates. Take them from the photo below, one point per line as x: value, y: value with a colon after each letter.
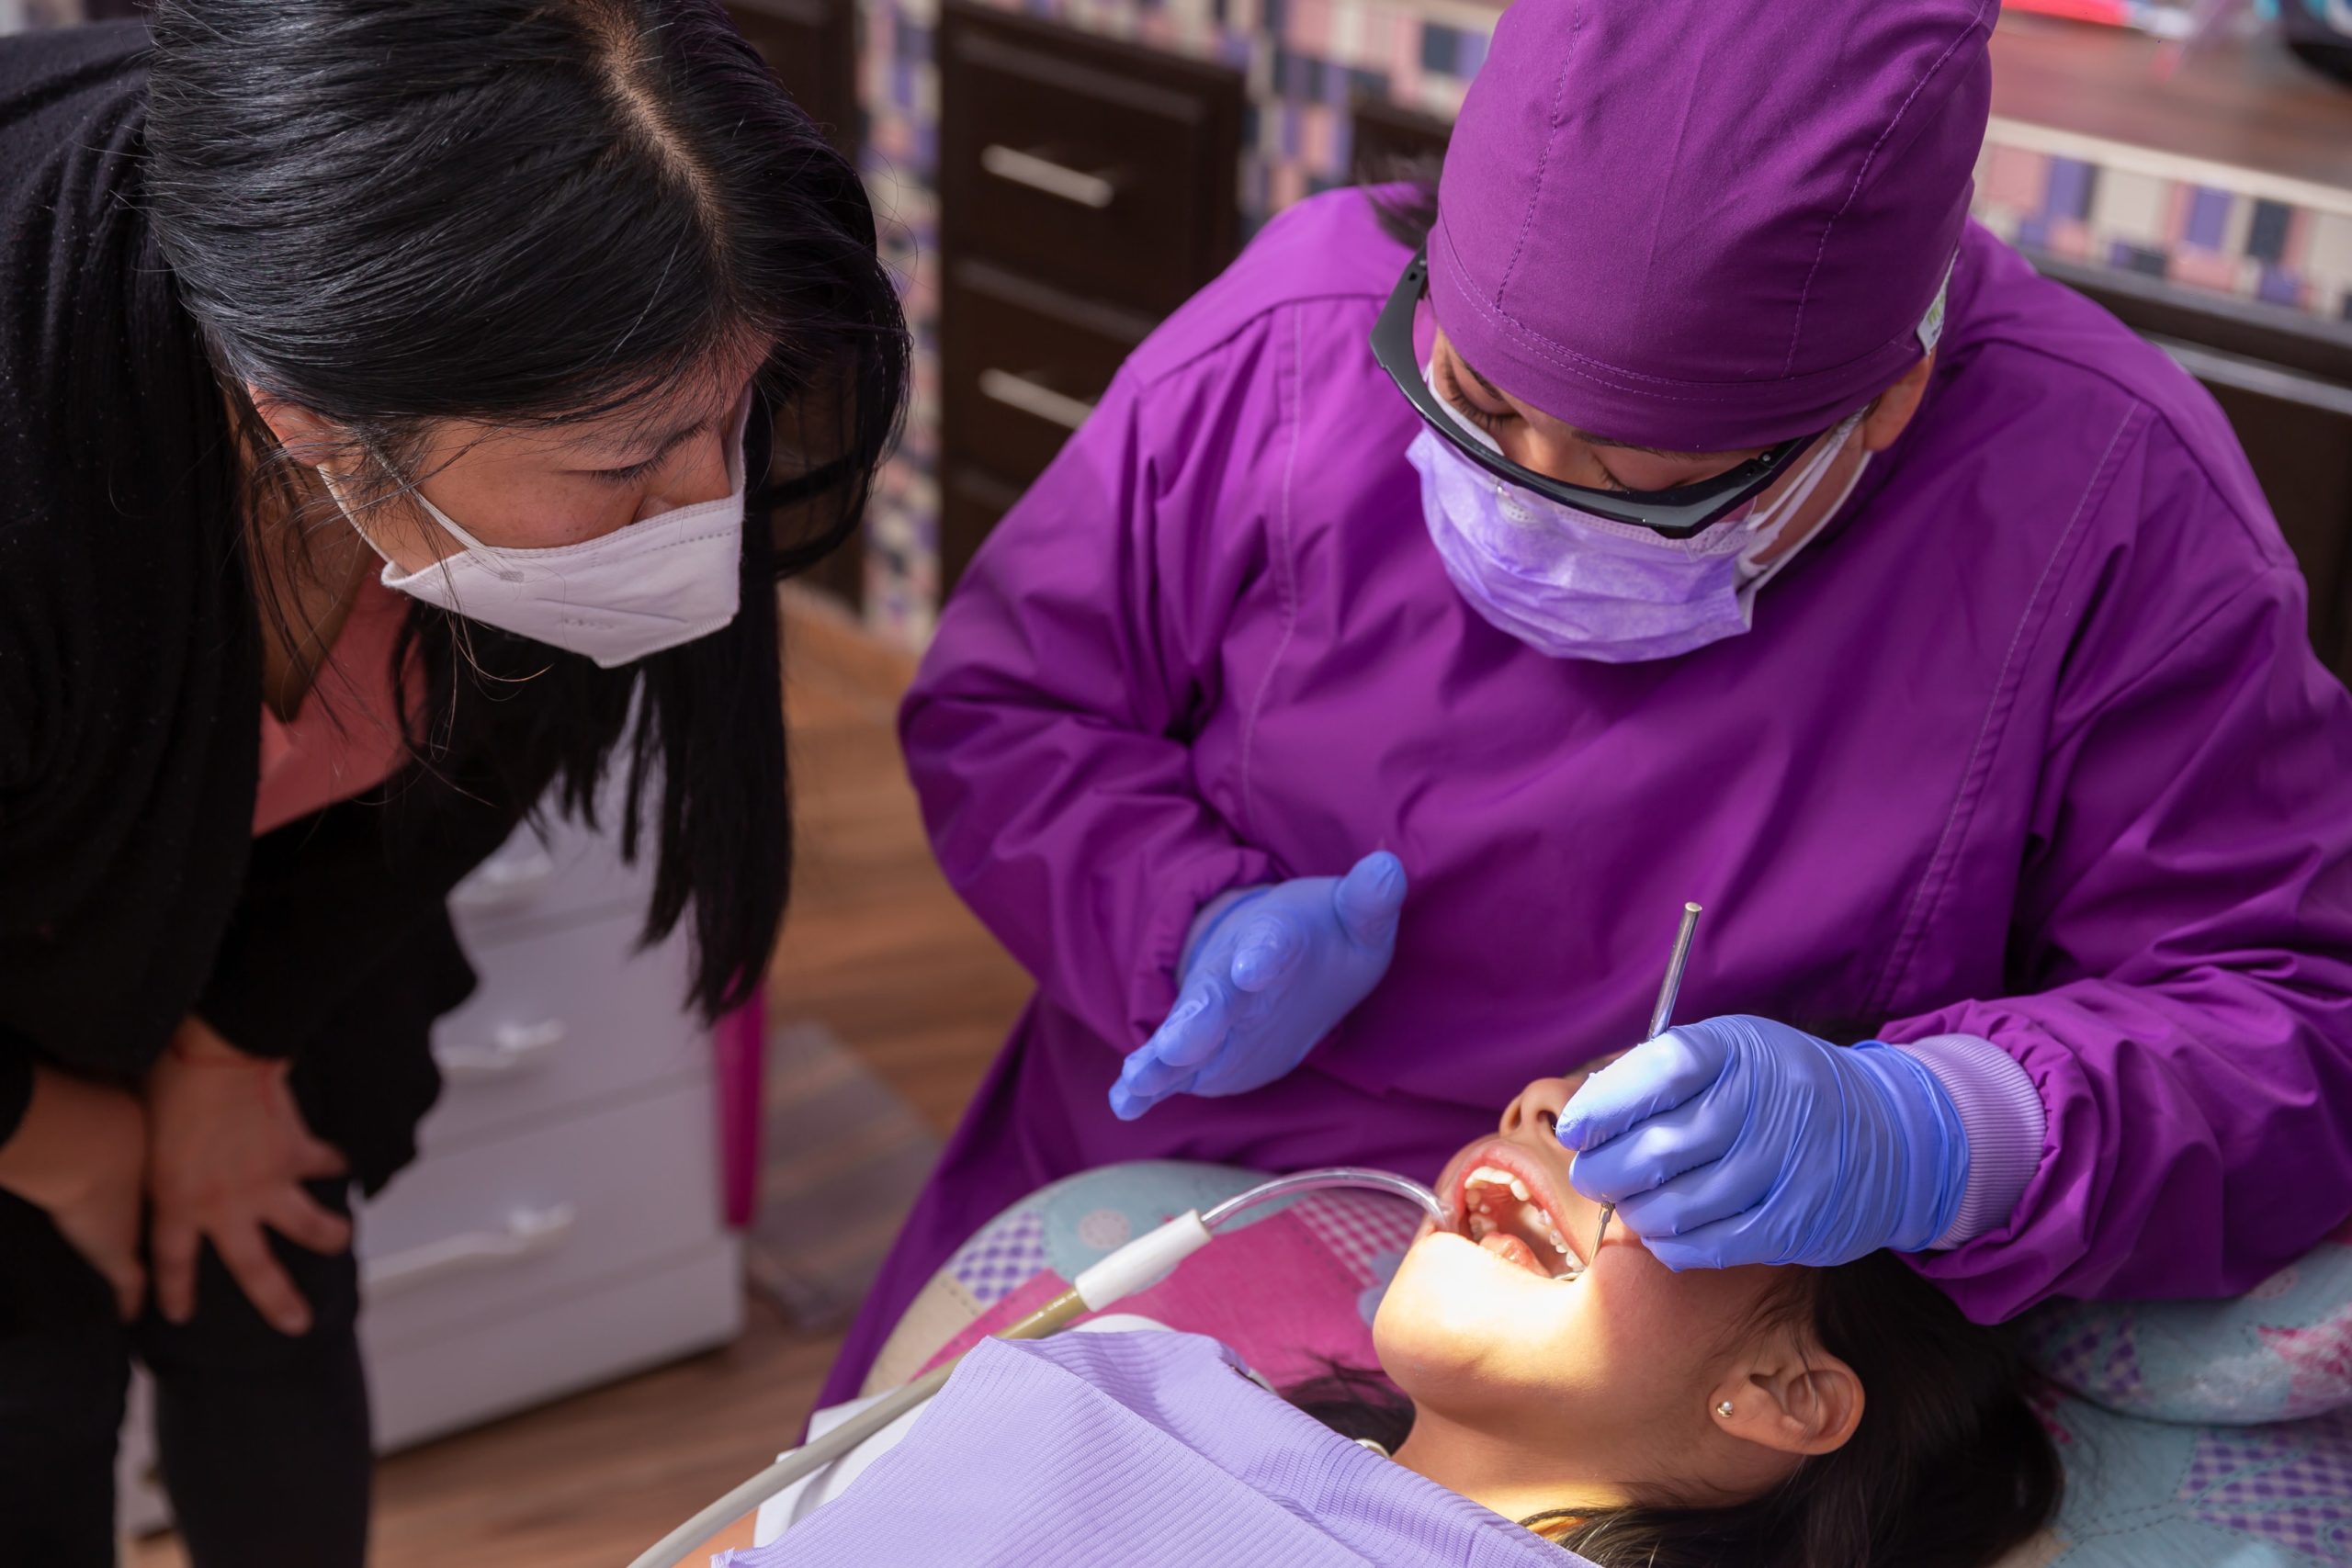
x: 1138, y: 1266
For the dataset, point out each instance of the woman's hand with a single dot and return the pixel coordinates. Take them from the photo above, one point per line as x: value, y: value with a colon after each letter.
x: 228, y: 1154
x: 80, y: 1156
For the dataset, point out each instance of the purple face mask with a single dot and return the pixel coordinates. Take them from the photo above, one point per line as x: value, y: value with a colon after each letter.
x: 1575, y: 586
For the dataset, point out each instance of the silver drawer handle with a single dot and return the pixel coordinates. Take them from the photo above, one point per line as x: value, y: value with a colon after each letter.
x: 1032, y: 398
x: 1044, y: 174
x: 2243, y: 375
x: 505, y: 880
x: 527, y: 1234
x: 513, y: 1048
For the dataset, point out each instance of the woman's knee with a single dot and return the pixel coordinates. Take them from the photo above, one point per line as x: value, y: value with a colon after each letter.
x: 227, y: 1336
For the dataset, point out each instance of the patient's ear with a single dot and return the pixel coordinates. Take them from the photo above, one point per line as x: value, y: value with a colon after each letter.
x: 1796, y: 1399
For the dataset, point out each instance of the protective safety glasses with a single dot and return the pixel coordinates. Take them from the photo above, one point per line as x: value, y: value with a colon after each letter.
x: 1674, y: 514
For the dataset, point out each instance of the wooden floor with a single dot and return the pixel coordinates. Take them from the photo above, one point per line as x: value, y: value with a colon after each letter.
x: 880, y: 952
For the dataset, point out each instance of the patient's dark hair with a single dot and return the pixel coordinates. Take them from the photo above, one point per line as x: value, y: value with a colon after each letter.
x: 1949, y: 1468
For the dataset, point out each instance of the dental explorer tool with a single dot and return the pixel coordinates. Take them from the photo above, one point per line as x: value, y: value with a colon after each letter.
x: 1660, y: 1016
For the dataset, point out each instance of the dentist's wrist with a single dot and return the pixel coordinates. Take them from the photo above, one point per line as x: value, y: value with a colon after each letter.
x: 2002, y: 1117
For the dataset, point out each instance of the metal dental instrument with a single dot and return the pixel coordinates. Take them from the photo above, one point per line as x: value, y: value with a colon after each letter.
x: 1660, y: 1016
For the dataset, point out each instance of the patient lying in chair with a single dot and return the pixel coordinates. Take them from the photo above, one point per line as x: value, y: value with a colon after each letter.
x: 1529, y: 1397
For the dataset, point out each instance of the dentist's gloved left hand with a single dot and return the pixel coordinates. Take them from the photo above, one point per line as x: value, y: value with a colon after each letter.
x: 1740, y: 1140
x: 1271, y: 975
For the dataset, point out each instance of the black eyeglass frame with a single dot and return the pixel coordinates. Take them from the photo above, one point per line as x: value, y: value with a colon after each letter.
x: 1676, y: 513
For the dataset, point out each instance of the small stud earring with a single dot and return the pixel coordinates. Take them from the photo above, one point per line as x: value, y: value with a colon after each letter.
x: 1724, y: 1409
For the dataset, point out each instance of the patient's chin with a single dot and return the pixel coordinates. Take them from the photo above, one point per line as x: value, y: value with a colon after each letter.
x: 1456, y: 1310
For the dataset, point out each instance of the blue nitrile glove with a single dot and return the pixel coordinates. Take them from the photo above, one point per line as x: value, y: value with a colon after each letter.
x: 1739, y: 1140
x: 1270, y: 976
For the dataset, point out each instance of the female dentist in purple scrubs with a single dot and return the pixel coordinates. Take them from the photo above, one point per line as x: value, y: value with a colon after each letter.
x: 1337, y: 728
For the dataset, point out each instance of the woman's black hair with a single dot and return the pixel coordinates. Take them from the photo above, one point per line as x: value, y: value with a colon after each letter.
x: 1950, y: 1466
x: 397, y: 213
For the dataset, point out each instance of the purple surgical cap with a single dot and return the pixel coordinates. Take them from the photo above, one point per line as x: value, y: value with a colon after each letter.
x: 1708, y: 224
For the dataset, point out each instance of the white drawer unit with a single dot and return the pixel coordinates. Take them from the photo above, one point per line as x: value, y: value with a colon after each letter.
x: 140, y: 1505
x: 506, y: 1227
x: 680, y: 1304
x: 564, y: 1021
x: 558, y: 873
x: 562, y: 1225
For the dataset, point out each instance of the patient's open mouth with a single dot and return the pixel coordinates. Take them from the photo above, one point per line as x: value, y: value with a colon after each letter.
x: 1511, y: 1213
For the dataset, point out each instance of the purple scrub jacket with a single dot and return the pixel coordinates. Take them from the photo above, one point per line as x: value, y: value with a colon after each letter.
x: 2030, y: 745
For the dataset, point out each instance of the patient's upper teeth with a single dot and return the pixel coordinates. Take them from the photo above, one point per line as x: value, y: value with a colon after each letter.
x: 1558, y: 1245
x: 1519, y: 1189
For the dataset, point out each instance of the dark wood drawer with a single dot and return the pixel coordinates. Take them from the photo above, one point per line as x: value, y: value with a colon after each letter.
x: 811, y: 45
x: 971, y: 501
x: 1108, y: 170
x: 2298, y: 434
x: 1022, y: 366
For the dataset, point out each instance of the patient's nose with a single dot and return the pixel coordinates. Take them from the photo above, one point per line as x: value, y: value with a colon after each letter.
x: 1540, y: 1103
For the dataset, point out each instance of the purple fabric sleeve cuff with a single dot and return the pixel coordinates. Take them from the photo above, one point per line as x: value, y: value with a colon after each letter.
x: 2001, y: 1114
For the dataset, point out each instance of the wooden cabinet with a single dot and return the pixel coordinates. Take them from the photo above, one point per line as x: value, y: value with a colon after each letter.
x: 811, y: 45
x: 1086, y: 188
x: 1022, y: 362
x: 2283, y: 378
x: 1084, y: 164
x: 972, y: 502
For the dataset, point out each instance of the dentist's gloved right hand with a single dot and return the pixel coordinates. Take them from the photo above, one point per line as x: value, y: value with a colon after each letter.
x: 1271, y: 974
x: 1740, y: 1140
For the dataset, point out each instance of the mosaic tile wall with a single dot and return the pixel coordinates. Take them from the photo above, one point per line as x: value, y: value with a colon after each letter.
x: 17, y: 15
x: 2198, y: 225
x: 2284, y: 244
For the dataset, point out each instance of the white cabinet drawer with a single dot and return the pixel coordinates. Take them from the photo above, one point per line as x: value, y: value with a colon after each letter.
x: 555, y: 875
x: 563, y: 1018
x: 683, y: 1302
x: 484, y: 1232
